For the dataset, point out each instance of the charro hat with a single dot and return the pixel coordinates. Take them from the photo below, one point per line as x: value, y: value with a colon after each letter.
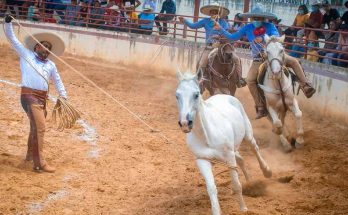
x: 223, y: 11
x: 259, y: 11
x: 58, y: 45
x: 114, y: 7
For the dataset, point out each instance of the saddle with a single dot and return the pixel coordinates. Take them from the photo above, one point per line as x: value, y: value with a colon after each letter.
x: 262, y: 73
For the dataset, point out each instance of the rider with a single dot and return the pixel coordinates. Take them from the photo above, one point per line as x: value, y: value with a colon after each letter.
x: 217, y: 14
x: 255, y: 32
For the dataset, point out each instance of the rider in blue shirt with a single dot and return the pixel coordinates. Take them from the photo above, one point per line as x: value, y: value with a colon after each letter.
x: 255, y: 32
x: 208, y: 24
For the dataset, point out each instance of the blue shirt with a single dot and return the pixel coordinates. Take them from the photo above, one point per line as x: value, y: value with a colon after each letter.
x: 147, y: 16
x: 208, y: 25
x: 169, y: 7
x: 248, y: 31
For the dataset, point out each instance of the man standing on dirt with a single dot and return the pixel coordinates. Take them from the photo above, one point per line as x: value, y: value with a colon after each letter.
x: 36, y: 70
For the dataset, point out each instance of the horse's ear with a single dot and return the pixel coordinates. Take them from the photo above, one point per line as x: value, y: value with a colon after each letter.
x: 179, y: 75
x: 267, y: 38
x: 281, y: 39
x: 199, y: 75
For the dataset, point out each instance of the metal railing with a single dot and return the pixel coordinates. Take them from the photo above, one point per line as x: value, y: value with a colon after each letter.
x: 83, y: 15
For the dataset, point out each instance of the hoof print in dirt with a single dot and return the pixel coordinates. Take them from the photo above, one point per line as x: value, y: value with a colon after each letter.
x: 254, y: 188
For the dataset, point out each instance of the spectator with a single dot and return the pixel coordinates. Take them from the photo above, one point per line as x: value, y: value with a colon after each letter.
x: 3, y: 8
x: 54, y: 5
x: 71, y: 13
x: 82, y: 16
x: 312, y: 53
x: 169, y: 7
x: 331, y: 14
x: 277, y: 22
x: 150, y: 3
x: 344, y: 18
x: 114, y: 19
x: 330, y: 37
x: 23, y: 7
x: 237, y: 23
x: 131, y: 17
x: 49, y: 18
x: 136, y: 3
x: 96, y: 15
x: 12, y: 4
x: 146, y: 20
x: 314, y: 21
x: 299, y: 21
x: 342, y: 46
x: 298, y: 45
x: 34, y: 12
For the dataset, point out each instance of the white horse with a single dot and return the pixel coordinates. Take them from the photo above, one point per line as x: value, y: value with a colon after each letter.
x: 278, y: 93
x: 218, y: 126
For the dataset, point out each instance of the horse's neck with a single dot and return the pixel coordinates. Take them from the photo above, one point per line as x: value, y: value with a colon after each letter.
x: 202, y: 123
x: 272, y: 82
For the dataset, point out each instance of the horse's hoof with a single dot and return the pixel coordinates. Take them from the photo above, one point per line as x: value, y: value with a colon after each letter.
x: 244, y: 209
x: 287, y: 148
x: 267, y: 172
x: 299, y: 145
x: 277, y: 130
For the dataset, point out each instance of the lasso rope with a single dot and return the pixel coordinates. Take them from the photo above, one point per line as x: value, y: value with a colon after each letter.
x: 97, y: 87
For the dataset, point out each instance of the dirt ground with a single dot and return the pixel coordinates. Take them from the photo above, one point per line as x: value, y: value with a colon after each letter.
x: 128, y: 169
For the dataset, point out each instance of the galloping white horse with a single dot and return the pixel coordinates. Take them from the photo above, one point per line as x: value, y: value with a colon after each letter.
x: 218, y: 126
x: 278, y: 93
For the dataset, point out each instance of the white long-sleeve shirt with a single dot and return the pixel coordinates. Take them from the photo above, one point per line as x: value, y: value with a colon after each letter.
x: 30, y: 76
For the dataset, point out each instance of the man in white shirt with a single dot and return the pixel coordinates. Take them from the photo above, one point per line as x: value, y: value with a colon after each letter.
x: 36, y: 71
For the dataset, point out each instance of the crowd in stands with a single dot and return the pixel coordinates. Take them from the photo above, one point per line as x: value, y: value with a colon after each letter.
x: 303, y: 37
x: 119, y: 15
x: 306, y: 40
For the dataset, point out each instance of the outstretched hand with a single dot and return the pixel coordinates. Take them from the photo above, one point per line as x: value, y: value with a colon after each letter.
x: 181, y: 19
x: 8, y: 18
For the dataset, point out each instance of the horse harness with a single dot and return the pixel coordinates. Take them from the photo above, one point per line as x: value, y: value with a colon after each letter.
x: 219, y: 53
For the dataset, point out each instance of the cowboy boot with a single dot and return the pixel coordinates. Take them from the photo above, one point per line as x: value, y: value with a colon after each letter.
x: 307, y: 89
x: 46, y: 168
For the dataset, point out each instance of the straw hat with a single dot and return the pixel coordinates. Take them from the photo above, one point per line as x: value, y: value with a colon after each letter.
x: 215, y: 6
x: 259, y: 11
x: 147, y: 8
x: 58, y: 45
x: 128, y: 5
x: 114, y: 7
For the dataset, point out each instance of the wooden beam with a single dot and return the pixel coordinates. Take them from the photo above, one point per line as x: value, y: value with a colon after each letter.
x: 196, y: 12
x: 246, y: 6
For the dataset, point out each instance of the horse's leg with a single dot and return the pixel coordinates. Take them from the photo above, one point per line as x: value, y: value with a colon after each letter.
x: 285, y: 143
x: 232, y: 88
x: 298, y: 116
x: 237, y: 187
x: 277, y: 124
x: 205, y: 168
x: 267, y: 172
x: 240, y: 162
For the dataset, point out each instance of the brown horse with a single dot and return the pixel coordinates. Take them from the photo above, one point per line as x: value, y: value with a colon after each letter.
x: 224, y: 70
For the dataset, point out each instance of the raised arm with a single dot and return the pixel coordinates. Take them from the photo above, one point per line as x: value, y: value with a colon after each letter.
x: 233, y: 36
x: 195, y: 25
x: 58, y: 82
x: 16, y: 44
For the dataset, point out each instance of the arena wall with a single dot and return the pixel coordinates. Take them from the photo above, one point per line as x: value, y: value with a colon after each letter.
x: 331, y: 99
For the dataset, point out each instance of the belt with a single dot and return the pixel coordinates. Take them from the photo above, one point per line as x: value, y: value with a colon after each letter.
x: 39, y: 93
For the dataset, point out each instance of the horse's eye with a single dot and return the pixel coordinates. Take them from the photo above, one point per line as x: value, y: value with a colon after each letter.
x: 177, y: 96
x: 196, y: 95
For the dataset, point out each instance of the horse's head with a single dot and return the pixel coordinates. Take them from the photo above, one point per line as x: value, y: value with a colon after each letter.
x: 275, y: 53
x: 226, y: 51
x: 188, y: 98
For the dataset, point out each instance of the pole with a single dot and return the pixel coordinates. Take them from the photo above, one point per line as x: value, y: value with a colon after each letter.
x: 246, y: 6
x: 196, y: 12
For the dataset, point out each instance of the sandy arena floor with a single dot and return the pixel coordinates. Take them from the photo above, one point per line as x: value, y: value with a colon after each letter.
x: 123, y: 168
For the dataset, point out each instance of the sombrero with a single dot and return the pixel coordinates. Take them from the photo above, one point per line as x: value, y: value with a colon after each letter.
x: 114, y: 7
x: 259, y: 11
x: 215, y: 6
x: 58, y: 45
